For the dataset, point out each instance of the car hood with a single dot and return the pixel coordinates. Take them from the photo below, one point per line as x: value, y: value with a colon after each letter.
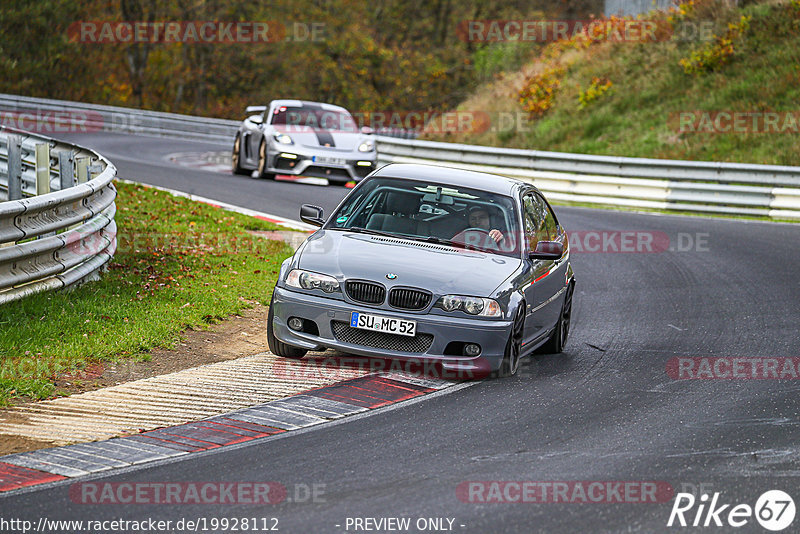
x: 439, y: 269
x: 314, y: 138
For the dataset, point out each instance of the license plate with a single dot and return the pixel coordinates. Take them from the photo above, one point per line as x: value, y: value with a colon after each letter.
x: 328, y: 160
x: 377, y: 323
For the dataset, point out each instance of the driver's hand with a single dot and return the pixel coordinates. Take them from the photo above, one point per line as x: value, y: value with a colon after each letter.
x: 497, y: 235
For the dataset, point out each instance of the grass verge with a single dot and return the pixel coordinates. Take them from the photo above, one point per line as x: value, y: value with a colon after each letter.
x: 179, y: 264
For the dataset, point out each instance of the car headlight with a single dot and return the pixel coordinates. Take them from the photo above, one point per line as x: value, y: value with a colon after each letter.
x: 283, y: 138
x: 471, y: 305
x: 366, y: 146
x: 309, y: 280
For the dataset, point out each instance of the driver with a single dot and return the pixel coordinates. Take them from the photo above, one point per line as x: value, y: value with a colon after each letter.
x: 479, y: 218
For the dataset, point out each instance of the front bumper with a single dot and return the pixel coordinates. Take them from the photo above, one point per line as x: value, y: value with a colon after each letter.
x: 489, y: 334
x: 307, y: 162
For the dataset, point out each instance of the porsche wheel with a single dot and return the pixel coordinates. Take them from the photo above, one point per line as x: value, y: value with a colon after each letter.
x: 236, y: 157
x: 262, y: 161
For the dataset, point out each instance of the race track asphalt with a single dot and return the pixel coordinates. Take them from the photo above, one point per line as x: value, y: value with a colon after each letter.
x: 605, y: 410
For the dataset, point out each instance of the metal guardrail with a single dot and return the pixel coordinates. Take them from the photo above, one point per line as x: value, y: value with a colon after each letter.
x: 703, y: 187
x: 708, y: 187
x: 47, y: 115
x: 56, y: 214
x: 53, y: 115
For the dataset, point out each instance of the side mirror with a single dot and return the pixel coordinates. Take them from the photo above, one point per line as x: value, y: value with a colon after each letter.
x: 256, y: 119
x: 547, y: 250
x: 311, y: 215
x: 367, y: 130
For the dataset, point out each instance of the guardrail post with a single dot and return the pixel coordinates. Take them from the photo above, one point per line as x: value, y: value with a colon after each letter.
x: 14, y: 167
x: 42, y: 169
x: 65, y: 171
x: 83, y: 169
x: 94, y: 171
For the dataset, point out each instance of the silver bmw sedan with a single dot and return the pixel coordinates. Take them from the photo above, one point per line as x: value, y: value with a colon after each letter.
x: 467, y: 270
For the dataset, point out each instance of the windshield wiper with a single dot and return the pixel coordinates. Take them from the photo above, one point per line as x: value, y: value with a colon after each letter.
x: 459, y: 244
x: 442, y: 241
x: 430, y: 239
x: 360, y: 230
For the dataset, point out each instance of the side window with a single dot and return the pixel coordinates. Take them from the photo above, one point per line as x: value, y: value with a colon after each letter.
x: 531, y: 218
x: 549, y: 228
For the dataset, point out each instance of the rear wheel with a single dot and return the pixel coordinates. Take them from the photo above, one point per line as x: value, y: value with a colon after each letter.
x: 511, y: 358
x: 279, y: 348
x: 236, y: 157
x: 262, y: 161
x: 558, y: 338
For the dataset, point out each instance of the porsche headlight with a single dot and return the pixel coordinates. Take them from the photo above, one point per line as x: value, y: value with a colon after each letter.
x: 310, y: 280
x: 366, y: 146
x: 283, y: 138
x: 472, y: 305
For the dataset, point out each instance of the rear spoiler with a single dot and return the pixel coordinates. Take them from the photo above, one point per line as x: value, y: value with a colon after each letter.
x: 250, y: 110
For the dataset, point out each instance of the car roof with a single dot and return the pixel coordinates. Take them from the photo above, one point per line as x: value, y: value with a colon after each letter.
x: 483, y: 181
x: 307, y: 104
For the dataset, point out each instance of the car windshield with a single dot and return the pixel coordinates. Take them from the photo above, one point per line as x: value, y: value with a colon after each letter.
x: 436, y: 213
x: 316, y: 118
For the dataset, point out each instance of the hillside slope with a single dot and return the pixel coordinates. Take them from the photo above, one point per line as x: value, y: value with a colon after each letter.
x: 671, y: 97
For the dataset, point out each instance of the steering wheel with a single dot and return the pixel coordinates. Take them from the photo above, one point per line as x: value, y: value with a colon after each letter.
x: 474, y: 229
x: 489, y: 243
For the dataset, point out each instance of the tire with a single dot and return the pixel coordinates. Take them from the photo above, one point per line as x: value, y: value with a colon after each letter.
x: 236, y: 157
x: 279, y: 348
x: 262, y: 161
x: 510, y: 364
x: 555, y: 345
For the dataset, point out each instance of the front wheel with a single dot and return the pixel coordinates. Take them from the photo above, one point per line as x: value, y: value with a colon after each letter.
x: 558, y: 338
x: 278, y: 347
x: 511, y: 358
x: 262, y: 161
x: 236, y: 157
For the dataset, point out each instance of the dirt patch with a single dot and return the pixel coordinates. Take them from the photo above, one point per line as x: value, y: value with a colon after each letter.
x: 13, y: 444
x: 235, y: 337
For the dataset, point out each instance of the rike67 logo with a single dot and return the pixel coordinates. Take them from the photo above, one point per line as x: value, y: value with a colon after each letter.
x: 774, y: 510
